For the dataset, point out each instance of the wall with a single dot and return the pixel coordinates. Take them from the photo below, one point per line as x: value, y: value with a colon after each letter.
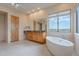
x: 76, y: 36
x: 59, y: 8
x: 29, y: 23
x: 36, y: 16
x: 25, y: 21
x: 22, y: 21
x: 2, y: 28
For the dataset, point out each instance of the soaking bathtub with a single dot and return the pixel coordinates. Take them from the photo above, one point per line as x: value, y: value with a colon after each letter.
x: 59, y: 47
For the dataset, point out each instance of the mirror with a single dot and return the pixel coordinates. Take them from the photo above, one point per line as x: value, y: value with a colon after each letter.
x: 41, y: 24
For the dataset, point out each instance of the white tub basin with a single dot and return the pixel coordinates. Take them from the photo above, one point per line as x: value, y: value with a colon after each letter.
x: 59, y: 47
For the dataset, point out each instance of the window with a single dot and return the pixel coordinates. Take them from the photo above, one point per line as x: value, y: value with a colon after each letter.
x: 64, y: 23
x: 77, y: 20
x: 54, y: 23
x: 59, y: 22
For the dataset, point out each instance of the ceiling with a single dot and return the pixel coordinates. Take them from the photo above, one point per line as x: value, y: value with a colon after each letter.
x: 25, y: 7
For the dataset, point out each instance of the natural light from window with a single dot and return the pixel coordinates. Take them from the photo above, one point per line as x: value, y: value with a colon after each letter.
x: 59, y: 22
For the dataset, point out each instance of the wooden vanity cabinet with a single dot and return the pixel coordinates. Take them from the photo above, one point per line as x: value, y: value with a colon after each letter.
x: 36, y: 36
x: 29, y: 35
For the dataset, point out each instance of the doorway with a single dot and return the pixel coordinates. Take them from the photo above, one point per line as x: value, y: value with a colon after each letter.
x: 14, y: 28
x: 3, y: 26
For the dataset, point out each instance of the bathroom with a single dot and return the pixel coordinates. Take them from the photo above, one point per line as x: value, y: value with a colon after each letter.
x: 58, y: 20
x: 39, y: 29
x: 62, y: 9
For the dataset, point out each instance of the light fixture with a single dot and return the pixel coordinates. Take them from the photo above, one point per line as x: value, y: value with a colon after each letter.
x: 12, y: 4
x: 28, y: 12
x: 33, y: 11
x: 38, y: 8
x: 15, y: 5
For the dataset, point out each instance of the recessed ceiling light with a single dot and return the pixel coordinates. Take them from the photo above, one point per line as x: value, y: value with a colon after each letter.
x: 38, y: 8
x: 12, y: 4
x: 33, y: 11
x: 17, y: 5
x: 28, y: 12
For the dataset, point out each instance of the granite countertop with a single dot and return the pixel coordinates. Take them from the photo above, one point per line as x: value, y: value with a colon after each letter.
x: 33, y: 31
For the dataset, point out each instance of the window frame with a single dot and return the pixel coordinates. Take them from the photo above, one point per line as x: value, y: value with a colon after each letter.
x: 58, y: 15
x: 77, y: 21
x: 48, y: 24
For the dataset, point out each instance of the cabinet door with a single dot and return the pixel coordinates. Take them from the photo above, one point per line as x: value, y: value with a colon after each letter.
x: 40, y: 38
x: 30, y: 35
x: 35, y: 37
x: 14, y: 28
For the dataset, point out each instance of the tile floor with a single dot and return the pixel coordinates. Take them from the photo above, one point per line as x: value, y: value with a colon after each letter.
x: 23, y: 48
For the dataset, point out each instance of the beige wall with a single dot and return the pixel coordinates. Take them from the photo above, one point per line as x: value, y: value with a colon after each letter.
x: 59, y: 8
x: 2, y: 27
x: 76, y: 36
x: 23, y: 23
x: 36, y: 17
x: 26, y: 21
x: 63, y: 7
x: 22, y: 19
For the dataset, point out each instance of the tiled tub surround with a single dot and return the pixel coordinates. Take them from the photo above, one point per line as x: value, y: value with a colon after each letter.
x: 76, y: 36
